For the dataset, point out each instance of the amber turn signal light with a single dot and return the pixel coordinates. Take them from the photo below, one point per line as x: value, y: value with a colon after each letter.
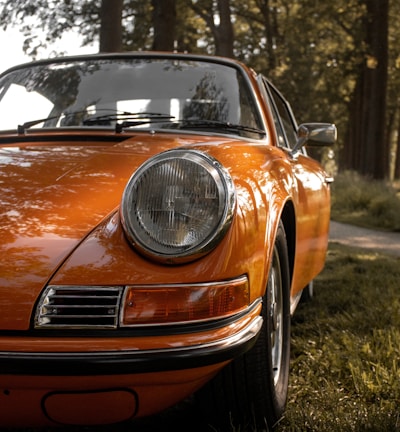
x: 183, y: 303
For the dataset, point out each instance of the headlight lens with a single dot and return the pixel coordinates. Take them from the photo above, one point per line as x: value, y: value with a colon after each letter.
x: 178, y: 205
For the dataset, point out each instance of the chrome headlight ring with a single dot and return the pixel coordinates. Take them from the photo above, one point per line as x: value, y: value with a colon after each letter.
x: 178, y: 205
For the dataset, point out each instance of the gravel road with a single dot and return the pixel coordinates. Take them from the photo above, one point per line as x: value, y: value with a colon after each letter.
x: 381, y: 241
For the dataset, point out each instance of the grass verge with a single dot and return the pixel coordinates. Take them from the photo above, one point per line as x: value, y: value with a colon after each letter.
x: 364, y: 202
x: 346, y: 348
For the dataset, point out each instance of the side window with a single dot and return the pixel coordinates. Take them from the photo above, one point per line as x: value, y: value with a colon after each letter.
x: 279, y: 130
x: 283, y: 118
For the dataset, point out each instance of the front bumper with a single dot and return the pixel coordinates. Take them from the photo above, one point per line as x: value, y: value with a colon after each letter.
x: 115, y: 383
x: 131, y: 361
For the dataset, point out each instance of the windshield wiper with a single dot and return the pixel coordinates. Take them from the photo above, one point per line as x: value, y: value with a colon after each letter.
x: 129, y: 119
x: 215, y: 124
x: 125, y: 119
x: 22, y: 128
x: 27, y: 125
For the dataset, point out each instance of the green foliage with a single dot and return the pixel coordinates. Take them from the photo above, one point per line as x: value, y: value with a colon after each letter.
x: 43, y: 22
x: 346, y: 348
x: 365, y: 202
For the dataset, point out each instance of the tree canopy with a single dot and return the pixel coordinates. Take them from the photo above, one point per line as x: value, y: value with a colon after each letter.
x: 335, y: 61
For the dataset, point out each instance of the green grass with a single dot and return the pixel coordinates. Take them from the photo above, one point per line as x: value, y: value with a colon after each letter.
x: 345, y: 371
x: 364, y: 202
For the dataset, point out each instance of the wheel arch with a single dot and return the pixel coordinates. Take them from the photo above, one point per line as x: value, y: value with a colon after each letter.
x: 289, y: 223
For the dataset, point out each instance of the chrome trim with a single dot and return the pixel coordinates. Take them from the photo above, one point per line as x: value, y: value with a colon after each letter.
x: 206, y: 244
x: 243, y: 335
x: 130, y: 361
x: 315, y: 134
x: 78, y: 307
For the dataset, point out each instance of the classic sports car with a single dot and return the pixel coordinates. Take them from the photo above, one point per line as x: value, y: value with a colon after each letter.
x: 160, y: 219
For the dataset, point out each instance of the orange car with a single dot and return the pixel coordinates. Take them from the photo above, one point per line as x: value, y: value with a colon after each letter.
x: 160, y: 219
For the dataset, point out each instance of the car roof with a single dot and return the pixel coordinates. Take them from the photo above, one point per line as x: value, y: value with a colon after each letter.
x: 133, y: 55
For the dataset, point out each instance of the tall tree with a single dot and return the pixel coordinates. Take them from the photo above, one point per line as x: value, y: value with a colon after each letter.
x: 223, y: 33
x: 393, y: 99
x: 164, y: 22
x: 217, y: 16
x: 367, y: 148
x: 396, y: 162
x: 111, y: 25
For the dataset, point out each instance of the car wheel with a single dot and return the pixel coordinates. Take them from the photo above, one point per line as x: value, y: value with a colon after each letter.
x: 251, y: 391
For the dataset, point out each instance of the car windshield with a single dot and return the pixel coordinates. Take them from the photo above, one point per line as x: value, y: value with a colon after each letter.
x: 128, y: 93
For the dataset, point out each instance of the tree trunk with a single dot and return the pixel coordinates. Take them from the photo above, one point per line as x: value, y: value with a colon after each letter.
x: 368, y: 144
x: 397, y: 156
x: 224, y: 31
x: 164, y: 20
x: 271, y: 31
x: 111, y: 25
x: 351, y: 153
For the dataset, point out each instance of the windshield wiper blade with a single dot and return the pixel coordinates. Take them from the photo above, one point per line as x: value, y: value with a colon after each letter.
x: 22, y: 128
x: 129, y: 119
x: 126, y: 115
x: 144, y: 118
x: 135, y: 119
x: 27, y: 125
x: 215, y: 124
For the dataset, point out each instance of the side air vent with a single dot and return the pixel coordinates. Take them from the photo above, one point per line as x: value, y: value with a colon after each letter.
x: 79, y: 307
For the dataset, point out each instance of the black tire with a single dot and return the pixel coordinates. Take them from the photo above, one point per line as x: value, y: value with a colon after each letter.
x: 251, y: 392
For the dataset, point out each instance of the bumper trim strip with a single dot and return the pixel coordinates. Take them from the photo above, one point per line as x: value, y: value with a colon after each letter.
x: 129, y: 362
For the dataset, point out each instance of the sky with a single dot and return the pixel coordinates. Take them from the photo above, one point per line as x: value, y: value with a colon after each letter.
x: 11, y: 52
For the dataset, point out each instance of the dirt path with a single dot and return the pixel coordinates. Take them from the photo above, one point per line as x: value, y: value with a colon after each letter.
x: 381, y: 241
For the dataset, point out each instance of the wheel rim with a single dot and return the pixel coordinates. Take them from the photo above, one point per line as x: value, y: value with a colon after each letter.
x: 276, y: 317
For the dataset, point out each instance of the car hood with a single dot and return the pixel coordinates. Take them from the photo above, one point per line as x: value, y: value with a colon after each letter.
x: 53, y: 194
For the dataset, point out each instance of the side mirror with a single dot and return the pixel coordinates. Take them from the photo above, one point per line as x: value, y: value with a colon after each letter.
x: 315, y: 134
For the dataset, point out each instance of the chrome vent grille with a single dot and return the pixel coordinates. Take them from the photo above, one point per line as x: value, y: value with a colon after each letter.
x: 79, y: 307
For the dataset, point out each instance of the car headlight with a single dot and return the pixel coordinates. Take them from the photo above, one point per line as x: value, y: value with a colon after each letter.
x: 178, y: 205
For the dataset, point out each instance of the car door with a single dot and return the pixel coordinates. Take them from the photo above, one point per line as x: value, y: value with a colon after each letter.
x: 310, y: 194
